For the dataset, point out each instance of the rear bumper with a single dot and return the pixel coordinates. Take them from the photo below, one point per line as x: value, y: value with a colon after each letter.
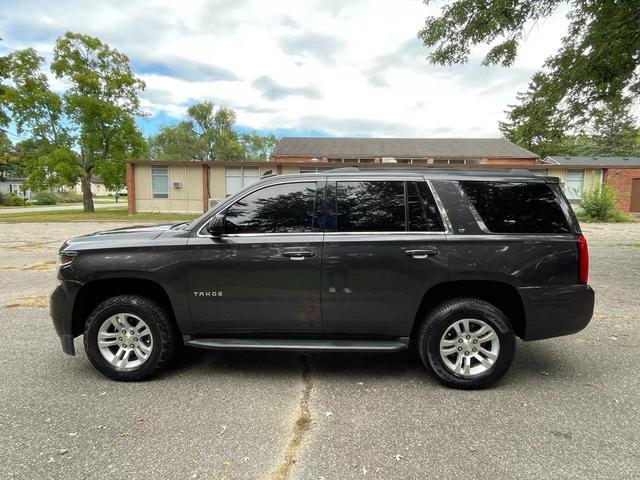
x: 556, y: 311
x: 61, y: 310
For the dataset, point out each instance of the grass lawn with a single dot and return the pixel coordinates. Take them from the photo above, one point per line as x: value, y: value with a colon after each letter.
x: 103, y: 215
x: 96, y: 200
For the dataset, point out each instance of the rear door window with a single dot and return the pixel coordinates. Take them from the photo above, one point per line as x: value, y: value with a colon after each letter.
x: 384, y: 206
x: 517, y: 207
x: 370, y: 206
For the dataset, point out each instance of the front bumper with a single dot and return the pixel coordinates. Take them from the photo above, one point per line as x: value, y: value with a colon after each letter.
x: 61, y: 310
x: 556, y: 311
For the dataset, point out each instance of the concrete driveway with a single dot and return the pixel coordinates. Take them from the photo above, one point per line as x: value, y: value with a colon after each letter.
x: 569, y: 407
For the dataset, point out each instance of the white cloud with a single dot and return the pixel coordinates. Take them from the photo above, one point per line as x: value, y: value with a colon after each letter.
x: 344, y: 68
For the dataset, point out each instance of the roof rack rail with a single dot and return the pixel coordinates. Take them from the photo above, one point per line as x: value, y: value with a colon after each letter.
x: 269, y: 173
x: 344, y: 169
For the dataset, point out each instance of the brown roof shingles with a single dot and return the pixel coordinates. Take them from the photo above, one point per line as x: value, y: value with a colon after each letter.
x: 400, y: 148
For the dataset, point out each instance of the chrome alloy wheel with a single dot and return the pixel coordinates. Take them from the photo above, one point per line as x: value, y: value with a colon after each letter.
x: 469, y: 347
x: 125, y: 341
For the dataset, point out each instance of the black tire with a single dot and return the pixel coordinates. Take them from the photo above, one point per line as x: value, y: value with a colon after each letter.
x: 440, y: 319
x: 163, y: 331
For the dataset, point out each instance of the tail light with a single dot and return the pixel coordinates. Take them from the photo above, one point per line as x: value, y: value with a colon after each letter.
x: 583, y: 260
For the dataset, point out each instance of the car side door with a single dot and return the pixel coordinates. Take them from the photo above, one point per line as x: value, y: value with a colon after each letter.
x: 262, y: 275
x: 385, y: 246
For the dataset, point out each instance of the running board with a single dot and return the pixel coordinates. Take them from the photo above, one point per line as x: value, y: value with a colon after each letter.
x: 318, y: 345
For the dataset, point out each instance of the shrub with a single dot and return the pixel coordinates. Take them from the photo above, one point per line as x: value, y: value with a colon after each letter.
x: 621, y: 217
x: 69, y: 197
x: 599, y: 202
x: 11, y: 200
x: 46, y: 198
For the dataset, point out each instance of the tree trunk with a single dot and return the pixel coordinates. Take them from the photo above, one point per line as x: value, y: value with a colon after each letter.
x: 87, y: 197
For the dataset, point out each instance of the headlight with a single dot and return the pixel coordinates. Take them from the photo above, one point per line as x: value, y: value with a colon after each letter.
x: 65, y: 258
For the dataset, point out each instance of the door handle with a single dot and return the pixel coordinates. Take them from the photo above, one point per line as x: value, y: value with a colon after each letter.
x: 298, y: 254
x: 422, y: 254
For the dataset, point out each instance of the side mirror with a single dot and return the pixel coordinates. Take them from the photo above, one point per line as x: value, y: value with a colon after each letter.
x: 216, y: 225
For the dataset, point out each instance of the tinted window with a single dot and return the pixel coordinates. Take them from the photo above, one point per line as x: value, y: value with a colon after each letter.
x: 286, y: 208
x: 509, y: 207
x: 370, y: 206
x: 421, y: 207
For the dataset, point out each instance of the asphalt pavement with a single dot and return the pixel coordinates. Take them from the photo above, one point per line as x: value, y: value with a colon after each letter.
x: 569, y: 407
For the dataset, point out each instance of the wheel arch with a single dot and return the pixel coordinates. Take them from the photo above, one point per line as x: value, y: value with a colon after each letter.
x: 500, y: 294
x: 93, y: 293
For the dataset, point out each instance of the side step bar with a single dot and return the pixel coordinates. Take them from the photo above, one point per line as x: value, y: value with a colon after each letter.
x: 318, y: 345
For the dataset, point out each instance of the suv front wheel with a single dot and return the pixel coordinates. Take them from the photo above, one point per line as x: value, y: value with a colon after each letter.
x: 129, y: 338
x: 467, y: 342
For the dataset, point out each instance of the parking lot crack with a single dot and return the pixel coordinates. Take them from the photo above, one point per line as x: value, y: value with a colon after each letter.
x: 301, y: 425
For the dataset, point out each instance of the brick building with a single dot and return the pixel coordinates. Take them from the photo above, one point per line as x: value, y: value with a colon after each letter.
x: 578, y: 174
x: 406, y: 151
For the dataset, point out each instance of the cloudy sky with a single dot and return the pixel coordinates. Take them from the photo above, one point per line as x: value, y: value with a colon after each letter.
x: 318, y: 67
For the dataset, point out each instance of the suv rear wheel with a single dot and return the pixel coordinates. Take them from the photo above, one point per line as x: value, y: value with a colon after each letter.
x: 129, y: 338
x: 467, y: 342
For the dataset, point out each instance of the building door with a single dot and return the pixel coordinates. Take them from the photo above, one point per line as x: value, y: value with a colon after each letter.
x: 635, y: 195
x: 262, y: 276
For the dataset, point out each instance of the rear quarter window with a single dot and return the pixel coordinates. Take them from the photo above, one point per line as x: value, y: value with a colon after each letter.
x: 517, y: 207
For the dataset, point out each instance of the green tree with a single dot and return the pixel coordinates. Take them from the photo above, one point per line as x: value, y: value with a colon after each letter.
x: 535, y: 124
x: 8, y: 164
x: 206, y: 134
x: 596, y: 64
x: 258, y: 147
x: 101, y: 102
x: 87, y: 129
x: 37, y: 111
x: 614, y: 130
x: 175, y: 142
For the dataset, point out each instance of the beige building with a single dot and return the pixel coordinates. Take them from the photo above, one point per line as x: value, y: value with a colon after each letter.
x: 191, y: 186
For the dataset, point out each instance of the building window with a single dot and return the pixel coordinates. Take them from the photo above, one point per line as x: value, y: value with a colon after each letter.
x: 365, y: 160
x: 15, y: 188
x: 160, y: 181
x: 335, y: 160
x: 456, y: 161
x: 574, y: 184
x: 236, y: 178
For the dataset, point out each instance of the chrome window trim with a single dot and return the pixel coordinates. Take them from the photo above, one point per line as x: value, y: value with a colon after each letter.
x: 474, y: 212
x: 405, y: 233
x: 447, y: 224
x: 233, y: 200
x: 270, y: 234
x: 448, y: 228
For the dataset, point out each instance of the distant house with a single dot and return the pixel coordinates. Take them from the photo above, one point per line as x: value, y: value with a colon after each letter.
x: 97, y: 187
x: 13, y: 185
x: 579, y: 174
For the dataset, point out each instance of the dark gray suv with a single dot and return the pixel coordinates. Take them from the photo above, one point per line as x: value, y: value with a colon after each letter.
x: 455, y: 263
